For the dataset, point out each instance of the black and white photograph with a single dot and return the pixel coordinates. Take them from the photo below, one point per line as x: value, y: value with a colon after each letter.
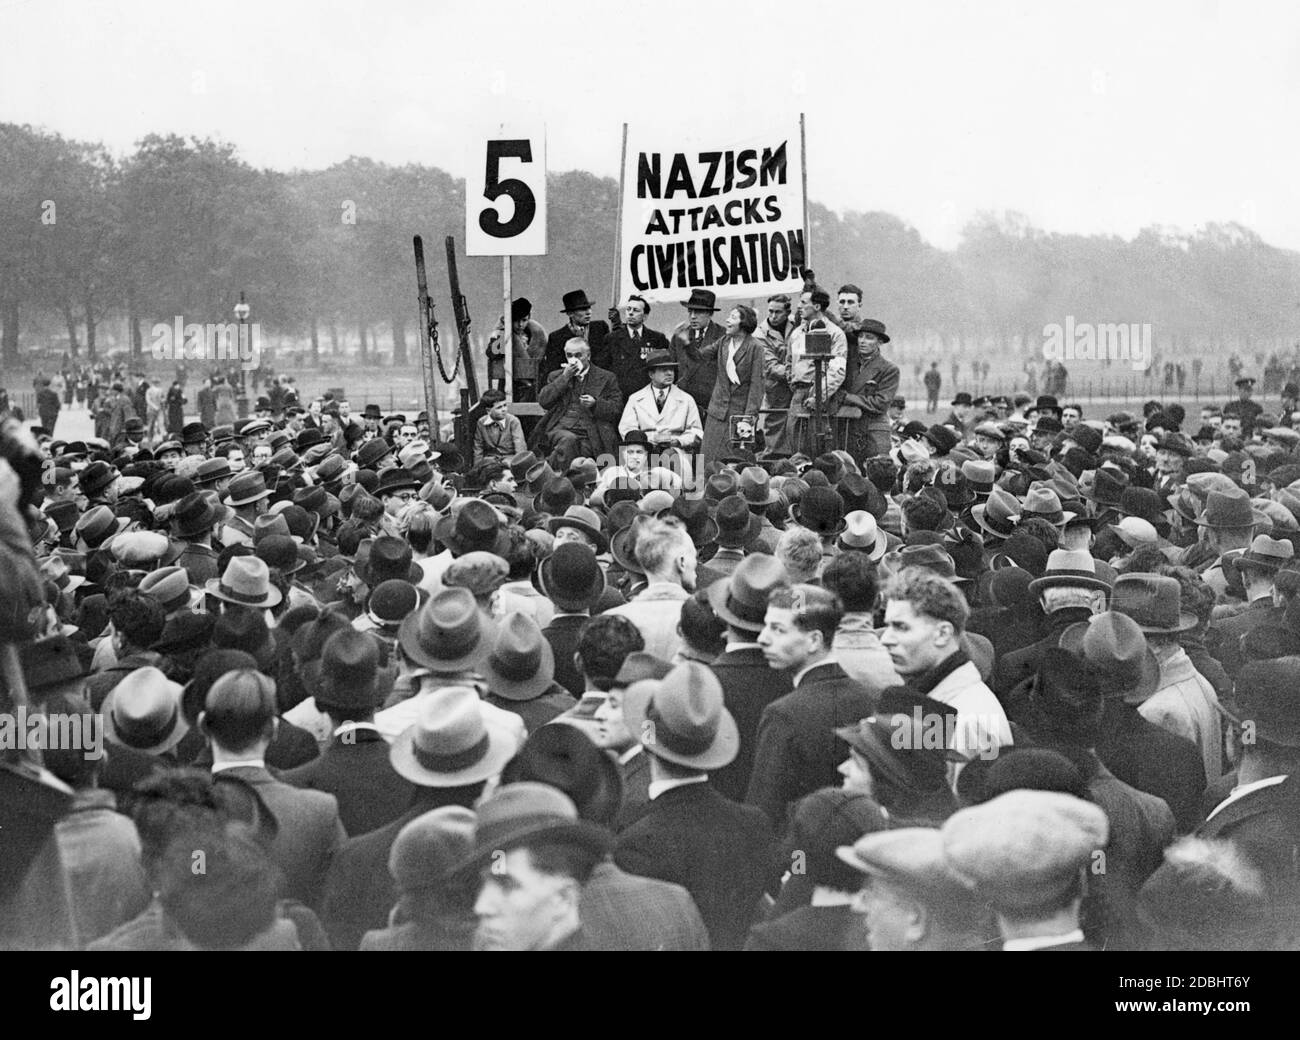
x: 651, y: 477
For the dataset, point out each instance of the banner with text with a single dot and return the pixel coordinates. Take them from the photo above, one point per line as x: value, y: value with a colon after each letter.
x: 725, y: 216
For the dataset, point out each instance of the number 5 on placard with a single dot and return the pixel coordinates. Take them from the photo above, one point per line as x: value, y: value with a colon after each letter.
x: 513, y: 166
x: 519, y: 192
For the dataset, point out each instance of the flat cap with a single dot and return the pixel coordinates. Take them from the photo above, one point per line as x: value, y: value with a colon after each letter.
x: 1023, y: 849
x: 910, y: 857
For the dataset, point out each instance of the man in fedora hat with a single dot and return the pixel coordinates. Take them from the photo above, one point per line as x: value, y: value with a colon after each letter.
x: 1184, y: 702
x: 963, y: 408
x: 453, y: 746
x: 354, y: 766
x: 1069, y: 591
x: 749, y: 685
x: 447, y: 640
x: 796, y: 749
x: 573, y: 581
x: 192, y: 523
x: 142, y: 713
x: 1260, y: 816
x: 665, y: 413
x: 1257, y: 568
x: 911, y: 899
x: 738, y: 528
x: 239, y: 720
x: 690, y: 834
x: 692, y: 343
x: 171, y: 587
x: 245, y: 584
x: 1136, y: 751
x: 247, y: 496
x: 536, y: 855
x: 435, y: 893
x: 583, y: 405
x: 871, y: 389
x: 577, y: 308
x: 519, y: 673
x: 1227, y: 524
x: 1026, y: 854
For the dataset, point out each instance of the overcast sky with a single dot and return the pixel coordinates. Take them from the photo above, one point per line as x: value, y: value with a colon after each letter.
x: 1097, y: 117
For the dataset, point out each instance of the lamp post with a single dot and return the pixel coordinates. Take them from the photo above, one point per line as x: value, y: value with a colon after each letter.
x: 241, y: 312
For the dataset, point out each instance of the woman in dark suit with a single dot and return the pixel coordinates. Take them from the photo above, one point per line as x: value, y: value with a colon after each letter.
x: 738, y: 389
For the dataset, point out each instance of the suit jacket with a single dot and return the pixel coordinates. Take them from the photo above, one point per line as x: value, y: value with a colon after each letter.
x: 624, y: 912
x: 1022, y: 664
x: 716, y: 849
x: 199, y: 561
x: 493, y: 442
x: 1265, y: 825
x: 626, y: 359
x: 749, y: 685
x: 553, y: 359
x: 636, y: 789
x: 1141, y: 826
x: 797, y: 750
x: 1153, y: 760
x: 355, y: 769
x: 359, y: 891
x: 537, y: 711
x: 680, y: 417
x: 310, y: 832
x: 876, y: 382
x: 562, y: 634
x: 746, y: 396
x: 559, y: 392
x: 835, y: 929
x: 1223, y: 638
x: 696, y: 360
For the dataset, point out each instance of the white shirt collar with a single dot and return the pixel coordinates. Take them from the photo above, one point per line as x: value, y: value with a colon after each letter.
x: 1245, y: 789
x: 1038, y: 942
x: 630, y: 754
x: 658, y: 787
x: 823, y: 895
x: 742, y: 646
x: 828, y: 659
x: 243, y: 763
x: 347, y: 727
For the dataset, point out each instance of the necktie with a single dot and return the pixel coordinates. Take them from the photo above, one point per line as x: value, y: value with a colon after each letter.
x: 659, y: 398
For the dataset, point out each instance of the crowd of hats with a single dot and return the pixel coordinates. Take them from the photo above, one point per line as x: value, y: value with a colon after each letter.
x: 1018, y: 503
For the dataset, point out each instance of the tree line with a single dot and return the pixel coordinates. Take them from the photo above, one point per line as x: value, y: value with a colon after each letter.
x: 92, y: 243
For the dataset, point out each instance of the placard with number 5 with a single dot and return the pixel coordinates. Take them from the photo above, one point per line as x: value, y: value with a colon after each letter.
x: 505, y: 194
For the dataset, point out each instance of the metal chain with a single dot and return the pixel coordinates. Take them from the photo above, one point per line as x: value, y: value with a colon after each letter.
x: 437, y: 353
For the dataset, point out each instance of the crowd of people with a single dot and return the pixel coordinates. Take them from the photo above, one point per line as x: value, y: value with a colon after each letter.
x: 1022, y: 679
